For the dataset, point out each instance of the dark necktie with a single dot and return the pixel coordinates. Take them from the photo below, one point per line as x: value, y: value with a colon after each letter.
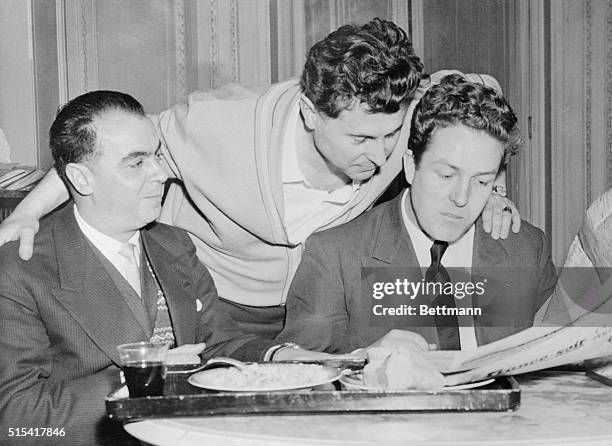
x: 448, y: 327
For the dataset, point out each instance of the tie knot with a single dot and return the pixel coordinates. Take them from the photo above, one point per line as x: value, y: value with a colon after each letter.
x: 437, y: 251
x: 131, y: 270
x: 128, y: 250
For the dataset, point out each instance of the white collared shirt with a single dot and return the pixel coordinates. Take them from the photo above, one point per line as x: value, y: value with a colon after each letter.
x: 307, y: 209
x: 108, y: 246
x: 458, y: 255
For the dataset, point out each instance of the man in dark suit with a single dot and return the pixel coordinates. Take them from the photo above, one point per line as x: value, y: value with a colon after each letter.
x: 101, y: 275
x: 461, y: 138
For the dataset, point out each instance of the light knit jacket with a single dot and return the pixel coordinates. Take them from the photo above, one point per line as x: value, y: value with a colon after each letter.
x: 226, y: 147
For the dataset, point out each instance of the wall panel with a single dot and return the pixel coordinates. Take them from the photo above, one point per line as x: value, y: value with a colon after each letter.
x: 469, y: 35
x: 136, y: 52
x: 138, y: 47
x: 46, y: 91
x: 17, y: 101
x: 581, y: 102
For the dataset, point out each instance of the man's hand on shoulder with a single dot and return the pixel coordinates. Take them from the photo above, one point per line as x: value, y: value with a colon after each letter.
x: 22, y: 227
x: 499, y: 215
x: 23, y: 223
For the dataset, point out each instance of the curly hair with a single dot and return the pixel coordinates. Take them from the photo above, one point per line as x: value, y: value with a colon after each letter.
x: 72, y: 135
x: 454, y: 101
x: 373, y: 64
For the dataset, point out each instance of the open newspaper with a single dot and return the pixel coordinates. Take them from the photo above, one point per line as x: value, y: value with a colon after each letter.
x: 575, y: 324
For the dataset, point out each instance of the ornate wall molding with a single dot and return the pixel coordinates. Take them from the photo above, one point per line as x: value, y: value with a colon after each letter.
x: 587, y: 96
x: 214, y: 43
x: 608, y: 74
x: 233, y: 39
x: 180, y: 51
x: 81, y: 46
x: 83, y: 19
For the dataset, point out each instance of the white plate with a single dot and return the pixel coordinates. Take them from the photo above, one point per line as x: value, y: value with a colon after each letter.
x: 213, y: 379
x: 356, y: 382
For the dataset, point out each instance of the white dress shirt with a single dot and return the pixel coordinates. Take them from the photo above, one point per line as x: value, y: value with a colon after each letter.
x: 108, y: 246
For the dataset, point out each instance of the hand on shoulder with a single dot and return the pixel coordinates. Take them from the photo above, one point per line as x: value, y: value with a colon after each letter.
x: 22, y: 227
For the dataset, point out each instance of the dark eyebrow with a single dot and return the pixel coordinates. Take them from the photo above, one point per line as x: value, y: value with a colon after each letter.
x: 447, y: 164
x: 132, y: 155
x: 370, y: 137
x: 443, y: 162
x: 491, y: 172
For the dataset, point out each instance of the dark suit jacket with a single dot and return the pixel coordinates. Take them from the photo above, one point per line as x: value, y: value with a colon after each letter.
x: 327, y: 310
x: 62, y: 316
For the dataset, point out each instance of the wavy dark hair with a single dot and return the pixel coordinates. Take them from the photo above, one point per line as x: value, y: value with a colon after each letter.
x: 72, y: 135
x: 373, y: 64
x: 455, y: 100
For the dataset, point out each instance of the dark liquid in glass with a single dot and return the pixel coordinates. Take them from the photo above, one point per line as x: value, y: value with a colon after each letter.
x: 144, y: 379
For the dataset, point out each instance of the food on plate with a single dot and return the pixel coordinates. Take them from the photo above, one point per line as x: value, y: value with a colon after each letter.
x: 272, y: 375
x: 399, y: 367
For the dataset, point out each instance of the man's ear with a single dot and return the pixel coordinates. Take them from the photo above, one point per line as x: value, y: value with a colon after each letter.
x: 409, y: 166
x: 309, y: 112
x: 80, y: 177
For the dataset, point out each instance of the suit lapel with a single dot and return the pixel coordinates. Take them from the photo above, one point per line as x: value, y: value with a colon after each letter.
x: 487, y: 252
x: 491, y: 260
x: 174, y: 282
x: 392, y: 245
x: 88, y: 292
x: 393, y: 249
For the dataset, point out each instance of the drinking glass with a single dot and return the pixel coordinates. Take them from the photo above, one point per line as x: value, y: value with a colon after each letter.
x: 144, y: 368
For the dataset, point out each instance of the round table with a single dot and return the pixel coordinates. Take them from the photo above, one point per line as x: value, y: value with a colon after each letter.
x: 556, y: 409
